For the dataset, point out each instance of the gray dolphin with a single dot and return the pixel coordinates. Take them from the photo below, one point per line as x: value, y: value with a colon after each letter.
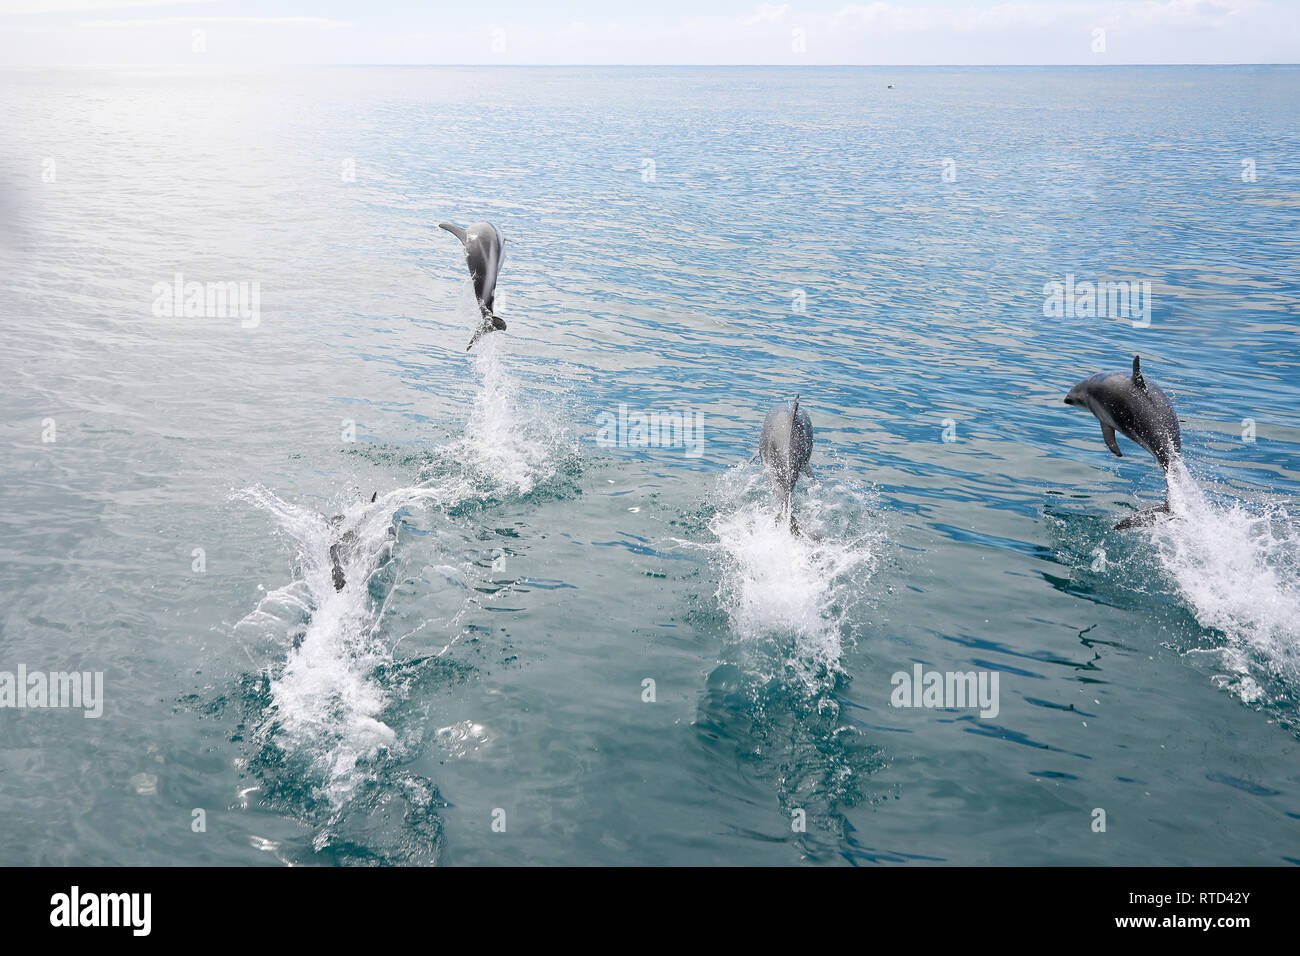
x: 785, y: 447
x: 484, y: 248
x: 1141, y: 412
x: 345, y: 541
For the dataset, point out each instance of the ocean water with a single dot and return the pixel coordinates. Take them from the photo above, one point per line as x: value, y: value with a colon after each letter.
x: 560, y: 644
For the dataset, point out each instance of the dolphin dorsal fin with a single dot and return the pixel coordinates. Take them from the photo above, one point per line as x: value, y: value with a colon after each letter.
x: 455, y: 230
x: 1138, y: 380
x: 796, y: 406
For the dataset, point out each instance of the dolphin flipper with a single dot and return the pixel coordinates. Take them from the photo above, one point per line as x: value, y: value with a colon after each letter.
x: 1108, y: 434
x: 456, y: 231
x: 1144, y: 518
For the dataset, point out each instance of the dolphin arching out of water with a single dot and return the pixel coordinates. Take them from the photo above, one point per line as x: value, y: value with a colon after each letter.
x: 785, y: 447
x: 484, y: 248
x: 1140, y: 411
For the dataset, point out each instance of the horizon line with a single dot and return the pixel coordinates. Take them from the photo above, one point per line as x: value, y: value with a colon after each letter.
x: 631, y: 66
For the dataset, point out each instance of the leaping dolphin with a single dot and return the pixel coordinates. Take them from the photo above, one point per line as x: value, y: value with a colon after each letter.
x: 484, y: 248
x: 1141, y: 412
x: 785, y: 447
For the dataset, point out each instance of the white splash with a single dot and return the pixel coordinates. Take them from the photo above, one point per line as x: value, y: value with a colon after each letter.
x: 326, y: 703
x: 795, y: 593
x: 503, y: 441
x: 1238, y: 567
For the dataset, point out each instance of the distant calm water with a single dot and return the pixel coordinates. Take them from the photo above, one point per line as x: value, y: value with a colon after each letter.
x: 489, y: 661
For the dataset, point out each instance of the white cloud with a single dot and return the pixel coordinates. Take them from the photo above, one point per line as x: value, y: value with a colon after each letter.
x: 1006, y: 31
x: 28, y: 7
x: 865, y: 32
x: 768, y: 13
x: 911, y: 18
x: 318, y: 22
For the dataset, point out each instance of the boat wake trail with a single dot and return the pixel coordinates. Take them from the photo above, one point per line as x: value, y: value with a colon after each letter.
x: 791, y: 598
x: 1238, y: 567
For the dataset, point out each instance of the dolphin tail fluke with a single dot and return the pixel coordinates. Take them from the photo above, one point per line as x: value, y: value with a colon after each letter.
x: 1144, y: 518
x: 787, y: 513
x: 798, y: 532
x: 491, y: 323
x: 484, y: 329
x: 337, y: 570
x: 455, y: 230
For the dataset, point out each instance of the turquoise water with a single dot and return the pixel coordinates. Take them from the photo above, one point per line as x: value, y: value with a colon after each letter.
x: 478, y: 693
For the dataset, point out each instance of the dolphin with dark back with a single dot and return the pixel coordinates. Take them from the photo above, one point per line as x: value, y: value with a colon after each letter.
x: 484, y: 248
x: 785, y: 447
x: 337, y: 549
x: 1139, y: 410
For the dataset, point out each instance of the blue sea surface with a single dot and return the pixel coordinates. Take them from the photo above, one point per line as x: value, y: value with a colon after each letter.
x: 572, y: 636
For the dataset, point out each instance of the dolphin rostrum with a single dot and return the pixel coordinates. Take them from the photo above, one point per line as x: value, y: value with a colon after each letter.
x: 484, y: 248
x: 1141, y: 412
x: 785, y: 448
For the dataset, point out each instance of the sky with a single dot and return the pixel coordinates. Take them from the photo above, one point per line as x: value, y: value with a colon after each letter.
x: 860, y: 32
